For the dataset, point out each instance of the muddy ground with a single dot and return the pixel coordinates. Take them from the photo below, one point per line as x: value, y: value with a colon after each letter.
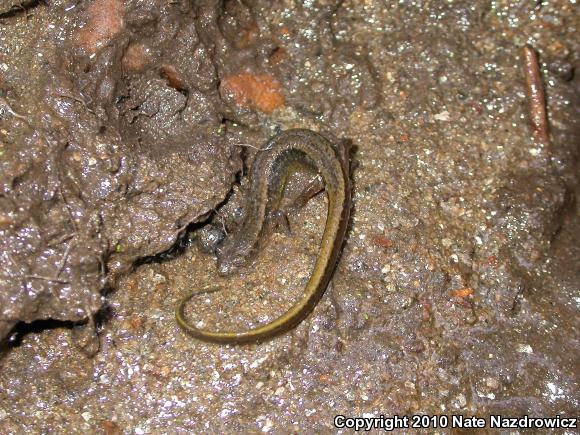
x: 126, y: 129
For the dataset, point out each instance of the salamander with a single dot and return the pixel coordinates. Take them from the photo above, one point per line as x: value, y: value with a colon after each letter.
x: 282, y: 155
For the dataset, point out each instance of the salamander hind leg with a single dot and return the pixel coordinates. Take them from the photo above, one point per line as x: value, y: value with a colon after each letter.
x: 279, y: 222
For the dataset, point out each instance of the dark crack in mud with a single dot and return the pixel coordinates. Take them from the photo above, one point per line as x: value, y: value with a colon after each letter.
x: 125, y: 129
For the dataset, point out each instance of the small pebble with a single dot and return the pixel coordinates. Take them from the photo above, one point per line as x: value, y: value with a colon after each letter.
x: 524, y: 348
x: 443, y: 116
x: 267, y: 425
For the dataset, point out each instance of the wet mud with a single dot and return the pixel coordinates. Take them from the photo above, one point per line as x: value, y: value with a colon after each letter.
x: 126, y: 129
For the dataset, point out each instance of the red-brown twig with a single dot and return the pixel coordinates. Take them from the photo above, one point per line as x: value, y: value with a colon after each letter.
x: 536, y: 96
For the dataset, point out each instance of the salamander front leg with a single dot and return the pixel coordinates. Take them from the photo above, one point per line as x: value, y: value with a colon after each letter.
x: 279, y: 218
x: 280, y: 222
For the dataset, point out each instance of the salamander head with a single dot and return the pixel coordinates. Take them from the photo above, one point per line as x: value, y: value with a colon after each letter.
x: 230, y: 258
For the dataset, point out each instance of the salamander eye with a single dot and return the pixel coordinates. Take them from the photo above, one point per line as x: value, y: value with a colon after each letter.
x: 209, y: 238
x: 239, y: 213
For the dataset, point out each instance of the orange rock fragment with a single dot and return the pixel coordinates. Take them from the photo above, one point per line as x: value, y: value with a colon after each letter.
x: 462, y: 292
x: 110, y: 428
x: 104, y: 20
x: 258, y: 91
x: 136, y: 322
x: 383, y: 241
x: 325, y: 379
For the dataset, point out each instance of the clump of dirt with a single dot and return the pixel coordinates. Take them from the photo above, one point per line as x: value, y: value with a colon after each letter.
x: 112, y: 143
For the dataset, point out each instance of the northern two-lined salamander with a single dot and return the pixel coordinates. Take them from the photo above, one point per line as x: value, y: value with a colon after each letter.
x: 268, y: 176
